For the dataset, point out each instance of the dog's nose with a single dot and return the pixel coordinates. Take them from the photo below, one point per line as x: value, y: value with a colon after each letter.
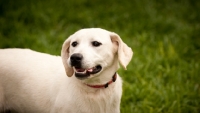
x: 76, y: 59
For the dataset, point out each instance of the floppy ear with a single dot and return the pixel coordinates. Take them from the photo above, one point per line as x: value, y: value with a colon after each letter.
x: 125, y: 53
x: 65, y: 55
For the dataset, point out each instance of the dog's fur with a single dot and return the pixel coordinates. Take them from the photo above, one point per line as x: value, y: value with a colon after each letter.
x: 33, y: 82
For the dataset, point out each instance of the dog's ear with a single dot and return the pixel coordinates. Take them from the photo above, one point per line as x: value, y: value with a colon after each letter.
x: 65, y: 55
x: 124, y: 52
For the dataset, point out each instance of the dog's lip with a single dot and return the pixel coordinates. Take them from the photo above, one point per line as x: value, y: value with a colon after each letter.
x: 84, y: 73
x: 80, y: 69
x: 92, y: 70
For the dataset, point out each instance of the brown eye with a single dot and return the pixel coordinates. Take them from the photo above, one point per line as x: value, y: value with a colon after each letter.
x: 74, y: 44
x: 96, y: 44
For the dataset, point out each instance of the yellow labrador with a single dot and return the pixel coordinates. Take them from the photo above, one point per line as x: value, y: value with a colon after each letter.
x: 33, y: 82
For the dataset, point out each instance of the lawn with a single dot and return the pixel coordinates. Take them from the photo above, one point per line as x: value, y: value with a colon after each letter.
x: 164, y: 74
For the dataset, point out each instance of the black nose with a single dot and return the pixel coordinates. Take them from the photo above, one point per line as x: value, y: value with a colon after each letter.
x: 76, y: 59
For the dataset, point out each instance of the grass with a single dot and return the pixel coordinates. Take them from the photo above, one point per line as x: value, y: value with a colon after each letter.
x: 164, y: 74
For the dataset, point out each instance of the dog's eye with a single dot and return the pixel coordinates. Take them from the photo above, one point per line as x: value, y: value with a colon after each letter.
x: 74, y: 44
x: 96, y: 44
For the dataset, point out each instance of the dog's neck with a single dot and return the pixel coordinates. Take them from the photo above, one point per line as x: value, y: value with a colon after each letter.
x: 114, y: 77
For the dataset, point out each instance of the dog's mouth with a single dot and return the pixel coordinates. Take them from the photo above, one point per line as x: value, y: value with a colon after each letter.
x: 82, y: 73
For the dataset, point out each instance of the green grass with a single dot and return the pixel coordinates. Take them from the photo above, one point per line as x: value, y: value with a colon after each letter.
x: 164, y: 74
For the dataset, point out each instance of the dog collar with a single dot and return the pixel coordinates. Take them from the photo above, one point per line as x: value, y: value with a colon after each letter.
x: 114, y: 77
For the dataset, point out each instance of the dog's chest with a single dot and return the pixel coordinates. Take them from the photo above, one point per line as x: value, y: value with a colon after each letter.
x: 98, y: 102
x: 102, y: 101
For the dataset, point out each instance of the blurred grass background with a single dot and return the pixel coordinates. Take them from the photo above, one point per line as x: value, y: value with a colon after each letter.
x: 164, y: 74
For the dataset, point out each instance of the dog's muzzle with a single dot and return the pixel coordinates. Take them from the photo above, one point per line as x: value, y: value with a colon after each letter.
x: 80, y: 72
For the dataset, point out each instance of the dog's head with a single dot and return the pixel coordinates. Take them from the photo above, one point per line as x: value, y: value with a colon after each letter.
x: 88, y: 52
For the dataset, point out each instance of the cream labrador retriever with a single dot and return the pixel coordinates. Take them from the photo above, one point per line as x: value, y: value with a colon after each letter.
x: 33, y: 82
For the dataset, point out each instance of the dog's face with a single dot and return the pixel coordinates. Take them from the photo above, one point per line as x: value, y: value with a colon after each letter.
x: 88, y: 52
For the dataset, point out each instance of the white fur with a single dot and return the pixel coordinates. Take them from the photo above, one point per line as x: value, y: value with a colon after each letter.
x: 33, y: 82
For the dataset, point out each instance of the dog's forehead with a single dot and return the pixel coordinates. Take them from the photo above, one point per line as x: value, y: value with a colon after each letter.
x: 92, y: 34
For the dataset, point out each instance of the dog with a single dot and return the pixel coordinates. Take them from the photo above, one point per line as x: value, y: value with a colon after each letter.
x: 34, y: 82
